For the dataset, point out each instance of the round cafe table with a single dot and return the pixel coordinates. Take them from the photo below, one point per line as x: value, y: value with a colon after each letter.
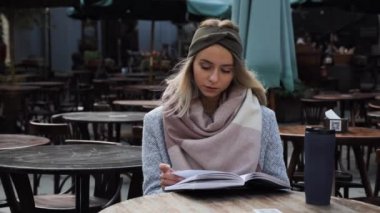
x: 104, y: 117
x: 355, y: 101
x: 78, y: 160
x: 231, y: 201
x: 113, y: 119
x: 18, y: 141
x: 44, y: 84
x: 149, y: 104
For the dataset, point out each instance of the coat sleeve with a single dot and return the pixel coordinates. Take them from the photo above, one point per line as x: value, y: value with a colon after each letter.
x: 272, y: 159
x: 153, y: 153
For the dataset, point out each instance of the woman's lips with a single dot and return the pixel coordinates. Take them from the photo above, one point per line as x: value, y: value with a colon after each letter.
x: 210, y: 89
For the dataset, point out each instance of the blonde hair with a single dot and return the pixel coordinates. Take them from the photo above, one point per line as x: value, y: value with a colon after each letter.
x: 181, y: 87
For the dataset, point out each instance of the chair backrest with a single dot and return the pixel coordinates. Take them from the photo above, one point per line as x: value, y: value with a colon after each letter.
x: 56, y: 132
x: 136, y: 135
x: 57, y: 118
x: 74, y: 141
x: 312, y: 110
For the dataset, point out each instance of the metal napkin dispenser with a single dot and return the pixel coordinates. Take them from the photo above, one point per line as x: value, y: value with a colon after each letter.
x: 334, y: 122
x: 339, y: 125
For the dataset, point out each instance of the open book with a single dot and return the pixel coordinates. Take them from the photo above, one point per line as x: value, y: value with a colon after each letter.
x: 207, y: 179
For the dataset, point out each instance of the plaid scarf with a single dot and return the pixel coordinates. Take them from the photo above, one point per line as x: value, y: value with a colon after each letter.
x: 229, y: 141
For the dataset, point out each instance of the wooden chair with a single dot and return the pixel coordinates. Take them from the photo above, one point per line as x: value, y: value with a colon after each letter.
x: 372, y: 122
x: 75, y: 141
x: 313, y: 110
x: 45, y: 103
x: 136, y: 135
x: 57, y: 133
x: 57, y: 118
x: 375, y: 200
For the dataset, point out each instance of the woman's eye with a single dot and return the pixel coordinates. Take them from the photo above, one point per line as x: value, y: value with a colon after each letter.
x: 205, y: 66
x: 226, y: 70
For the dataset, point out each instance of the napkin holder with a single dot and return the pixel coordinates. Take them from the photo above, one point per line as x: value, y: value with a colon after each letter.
x: 339, y: 125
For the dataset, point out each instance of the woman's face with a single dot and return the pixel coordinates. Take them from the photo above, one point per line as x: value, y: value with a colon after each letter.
x: 213, y: 71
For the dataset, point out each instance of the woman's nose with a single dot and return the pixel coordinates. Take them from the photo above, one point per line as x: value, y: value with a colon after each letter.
x: 214, y: 76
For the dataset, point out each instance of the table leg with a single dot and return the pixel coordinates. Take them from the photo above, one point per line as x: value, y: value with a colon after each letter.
x: 285, y: 153
x: 294, y: 159
x: 342, y: 108
x: 362, y: 170
x: 110, y: 132
x: 82, y: 192
x: 135, y: 188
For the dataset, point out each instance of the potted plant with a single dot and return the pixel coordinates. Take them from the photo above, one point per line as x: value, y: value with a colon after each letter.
x: 287, y: 104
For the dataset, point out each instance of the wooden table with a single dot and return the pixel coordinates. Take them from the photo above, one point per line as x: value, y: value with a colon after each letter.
x: 351, y: 98
x: 78, y: 160
x: 17, y: 88
x: 234, y: 202
x: 355, y: 137
x: 18, y: 141
x: 108, y: 117
x: 44, y: 84
x: 149, y: 90
x: 146, y: 87
x: 143, y: 103
x: 374, y: 114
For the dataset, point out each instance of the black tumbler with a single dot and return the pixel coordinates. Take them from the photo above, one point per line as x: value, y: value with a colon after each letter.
x: 319, y: 147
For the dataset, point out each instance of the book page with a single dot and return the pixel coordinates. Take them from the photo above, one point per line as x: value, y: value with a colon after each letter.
x: 191, y: 175
x: 202, y: 184
x: 259, y: 178
x: 205, y: 179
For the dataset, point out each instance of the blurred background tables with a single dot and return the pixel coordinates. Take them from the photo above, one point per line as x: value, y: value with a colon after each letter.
x: 112, y: 119
x: 355, y: 101
x: 17, y: 141
x: 149, y: 91
x: 144, y: 104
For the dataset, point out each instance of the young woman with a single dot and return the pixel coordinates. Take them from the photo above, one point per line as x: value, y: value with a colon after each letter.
x: 212, y: 115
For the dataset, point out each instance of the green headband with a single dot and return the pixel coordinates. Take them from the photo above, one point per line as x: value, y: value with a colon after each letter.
x: 207, y: 36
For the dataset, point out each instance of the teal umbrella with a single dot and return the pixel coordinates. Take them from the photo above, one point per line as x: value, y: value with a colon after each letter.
x: 267, y: 32
x: 210, y: 8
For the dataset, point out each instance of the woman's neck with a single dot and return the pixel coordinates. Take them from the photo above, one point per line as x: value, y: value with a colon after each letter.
x: 210, y: 105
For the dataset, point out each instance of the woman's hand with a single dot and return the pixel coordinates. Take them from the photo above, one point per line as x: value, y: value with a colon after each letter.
x: 167, y: 177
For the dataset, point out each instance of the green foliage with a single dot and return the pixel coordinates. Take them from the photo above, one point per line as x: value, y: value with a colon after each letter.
x: 300, y: 91
x: 11, y: 78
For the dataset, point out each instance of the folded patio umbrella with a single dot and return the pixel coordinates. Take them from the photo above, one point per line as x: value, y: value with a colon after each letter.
x: 267, y: 32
